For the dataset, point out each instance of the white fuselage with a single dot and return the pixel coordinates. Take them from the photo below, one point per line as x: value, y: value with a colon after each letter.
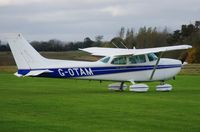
x: 166, y: 69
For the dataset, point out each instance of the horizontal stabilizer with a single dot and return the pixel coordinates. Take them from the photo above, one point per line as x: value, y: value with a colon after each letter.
x: 17, y: 74
x: 37, y: 72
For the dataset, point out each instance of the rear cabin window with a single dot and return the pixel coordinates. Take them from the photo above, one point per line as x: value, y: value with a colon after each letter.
x: 119, y: 61
x: 152, y: 57
x: 137, y: 59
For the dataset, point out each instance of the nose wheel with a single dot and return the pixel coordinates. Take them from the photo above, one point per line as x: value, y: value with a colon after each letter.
x: 163, y: 87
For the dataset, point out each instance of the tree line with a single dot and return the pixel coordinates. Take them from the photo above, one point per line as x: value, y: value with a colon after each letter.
x: 148, y: 37
x: 57, y: 45
x: 145, y: 37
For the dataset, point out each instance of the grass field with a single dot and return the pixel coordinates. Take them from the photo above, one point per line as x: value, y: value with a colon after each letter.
x: 41, y: 104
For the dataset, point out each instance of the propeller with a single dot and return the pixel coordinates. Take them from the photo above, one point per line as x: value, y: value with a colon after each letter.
x: 183, y: 57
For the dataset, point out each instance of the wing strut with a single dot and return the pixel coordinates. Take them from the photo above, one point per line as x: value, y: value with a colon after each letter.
x: 156, y: 65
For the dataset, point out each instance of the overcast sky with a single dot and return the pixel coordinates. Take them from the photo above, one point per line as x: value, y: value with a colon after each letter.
x: 73, y: 20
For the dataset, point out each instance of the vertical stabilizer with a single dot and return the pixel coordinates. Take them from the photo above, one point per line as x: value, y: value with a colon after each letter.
x: 26, y: 57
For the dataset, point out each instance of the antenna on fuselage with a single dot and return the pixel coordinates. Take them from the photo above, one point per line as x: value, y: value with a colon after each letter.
x: 123, y: 44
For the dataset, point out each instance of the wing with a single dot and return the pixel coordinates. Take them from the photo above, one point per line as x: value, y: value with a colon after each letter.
x: 119, y: 51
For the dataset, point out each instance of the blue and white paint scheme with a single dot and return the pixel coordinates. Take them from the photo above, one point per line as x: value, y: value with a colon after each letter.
x: 134, y: 65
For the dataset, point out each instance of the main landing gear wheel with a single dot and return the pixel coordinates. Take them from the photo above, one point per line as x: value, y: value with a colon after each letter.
x: 139, y: 88
x: 117, y: 86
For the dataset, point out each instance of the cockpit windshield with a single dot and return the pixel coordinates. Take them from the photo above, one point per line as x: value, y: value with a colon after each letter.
x: 152, y: 57
x: 105, y: 59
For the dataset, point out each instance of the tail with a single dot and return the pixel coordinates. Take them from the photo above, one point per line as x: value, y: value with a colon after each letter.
x: 25, y: 56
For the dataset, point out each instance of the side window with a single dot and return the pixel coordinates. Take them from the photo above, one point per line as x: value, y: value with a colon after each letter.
x: 119, y: 61
x: 132, y: 59
x: 105, y: 60
x: 142, y: 58
x: 152, y: 57
x: 137, y: 59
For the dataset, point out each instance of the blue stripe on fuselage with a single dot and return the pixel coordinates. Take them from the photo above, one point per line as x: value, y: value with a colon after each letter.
x: 92, y: 71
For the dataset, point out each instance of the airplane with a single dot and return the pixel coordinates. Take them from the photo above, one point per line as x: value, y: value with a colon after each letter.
x: 118, y: 64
